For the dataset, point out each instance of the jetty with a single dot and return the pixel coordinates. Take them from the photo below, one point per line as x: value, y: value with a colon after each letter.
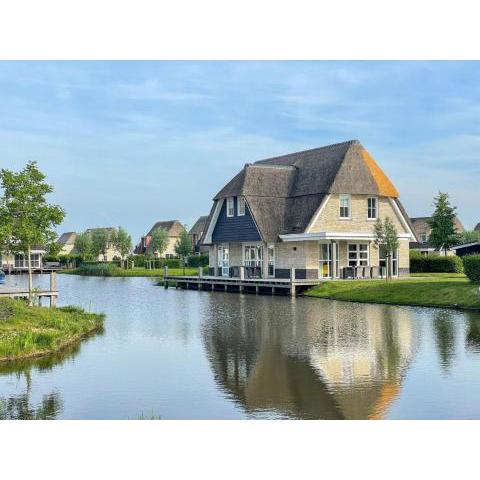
x: 22, y: 292
x: 286, y: 286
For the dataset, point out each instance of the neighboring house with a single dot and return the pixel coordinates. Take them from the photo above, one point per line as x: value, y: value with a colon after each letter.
x: 196, y: 233
x: 423, y: 230
x: 467, y: 249
x: 111, y: 253
x: 174, y: 229
x: 313, y: 211
x: 477, y: 228
x: 67, y: 242
x: 19, y: 261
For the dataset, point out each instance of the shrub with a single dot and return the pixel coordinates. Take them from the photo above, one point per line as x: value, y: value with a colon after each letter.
x: 97, y: 269
x: 196, y: 261
x: 435, y: 263
x: 471, y: 264
x: 139, y: 260
x: 71, y: 258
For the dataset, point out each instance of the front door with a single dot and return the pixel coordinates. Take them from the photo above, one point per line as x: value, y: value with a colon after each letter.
x: 224, y: 260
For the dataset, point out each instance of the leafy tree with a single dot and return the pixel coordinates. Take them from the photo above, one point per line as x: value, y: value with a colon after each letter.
x: 184, y: 247
x: 54, y: 249
x: 158, y: 242
x: 100, y: 242
x: 26, y: 217
x: 122, y: 242
x: 83, y: 245
x: 469, y: 236
x: 444, y: 234
x: 386, y: 236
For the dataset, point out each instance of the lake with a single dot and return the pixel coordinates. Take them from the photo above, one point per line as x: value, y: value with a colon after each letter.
x: 176, y: 354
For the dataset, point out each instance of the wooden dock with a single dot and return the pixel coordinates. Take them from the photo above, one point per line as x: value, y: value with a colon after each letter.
x: 22, y: 292
x: 246, y: 285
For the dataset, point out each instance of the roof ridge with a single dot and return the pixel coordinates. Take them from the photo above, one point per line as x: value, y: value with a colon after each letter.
x: 325, y: 147
x: 259, y: 165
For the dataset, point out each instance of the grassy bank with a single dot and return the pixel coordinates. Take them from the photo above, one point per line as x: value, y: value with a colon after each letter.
x: 431, y: 290
x: 34, y: 331
x: 108, y: 270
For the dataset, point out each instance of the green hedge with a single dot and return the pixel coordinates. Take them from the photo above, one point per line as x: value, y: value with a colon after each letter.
x: 471, y: 265
x: 141, y: 261
x: 97, y: 269
x: 435, y: 263
x: 196, y: 261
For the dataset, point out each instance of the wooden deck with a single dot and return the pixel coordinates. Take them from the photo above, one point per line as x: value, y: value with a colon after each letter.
x: 22, y: 292
x: 235, y: 284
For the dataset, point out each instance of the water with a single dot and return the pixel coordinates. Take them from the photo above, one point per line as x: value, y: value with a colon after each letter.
x: 175, y: 354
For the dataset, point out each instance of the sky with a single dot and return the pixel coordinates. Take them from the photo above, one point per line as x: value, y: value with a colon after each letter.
x: 131, y: 143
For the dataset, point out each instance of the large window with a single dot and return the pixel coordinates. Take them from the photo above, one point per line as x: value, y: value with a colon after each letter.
x: 372, y: 208
x: 230, y: 207
x: 241, y: 206
x: 383, y: 262
x: 21, y: 260
x: 253, y: 255
x: 358, y: 254
x: 344, y: 206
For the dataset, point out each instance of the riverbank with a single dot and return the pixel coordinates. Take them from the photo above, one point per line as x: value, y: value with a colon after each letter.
x: 131, y: 272
x: 428, y: 290
x: 27, y: 332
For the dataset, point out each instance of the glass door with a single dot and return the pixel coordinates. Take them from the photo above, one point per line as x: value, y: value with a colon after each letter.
x: 383, y: 262
x: 224, y: 260
x: 253, y: 255
x: 271, y: 260
x: 325, y: 260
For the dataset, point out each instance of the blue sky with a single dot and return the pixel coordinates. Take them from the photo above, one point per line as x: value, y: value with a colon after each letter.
x: 129, y: 143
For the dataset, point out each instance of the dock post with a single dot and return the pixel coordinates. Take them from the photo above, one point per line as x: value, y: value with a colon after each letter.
x: 292, y: 282
x: 213, y: 286
x: 257, y: 289
x: 273, y: 290
x: 225, y: 287
x: 292, y: 290
x: 53, y: 288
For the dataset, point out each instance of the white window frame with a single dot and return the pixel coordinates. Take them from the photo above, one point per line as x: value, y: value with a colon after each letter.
x: 241, y: 206
x: 230, y: 207
x: 258, y: 261
x: 358, y: 258
x: 340, y: 206
x: 369, y: 208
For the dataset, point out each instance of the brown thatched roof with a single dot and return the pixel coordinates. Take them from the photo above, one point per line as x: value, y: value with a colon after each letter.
x: 173, y: 227
x: 199, y: 226
x: 284, y: 192
x: 477, y: 228
x: 67, y: 238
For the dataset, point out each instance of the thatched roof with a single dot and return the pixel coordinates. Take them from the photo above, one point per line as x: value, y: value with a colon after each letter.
x: 283, y: 193
x: 67, y: 238
x: 199, y: 226
x: 421, y: 225
x: 173, y: 227
x: 477, y: 228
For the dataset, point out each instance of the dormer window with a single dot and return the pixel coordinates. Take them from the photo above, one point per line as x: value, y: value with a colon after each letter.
x: 344, y: 206
x: 230, y: 207
x: 241, y: 206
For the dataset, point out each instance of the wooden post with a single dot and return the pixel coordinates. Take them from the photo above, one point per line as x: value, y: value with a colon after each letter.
x: 292, y: 290
x: 257, y: 289
x: 53, y: 288
x: 200, y: 272
x: 225, y: 287
x: 242, y: 272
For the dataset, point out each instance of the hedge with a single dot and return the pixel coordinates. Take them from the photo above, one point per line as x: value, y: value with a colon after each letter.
x: 471, y: 265
x: 196, y: 261
x: 435, y: 263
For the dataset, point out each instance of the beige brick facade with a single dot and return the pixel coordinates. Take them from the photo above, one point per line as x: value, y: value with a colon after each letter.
x: 330, y: 221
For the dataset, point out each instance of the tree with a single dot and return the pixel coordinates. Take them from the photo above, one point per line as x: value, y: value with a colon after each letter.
x: 183, y: 247
x: 443, y: 231
x: 122, y: 242
x: 54, y: 249
x: 158, y: 242
x: 100, y: 241
x: 83, y: 245
x: 26, y: 217
x: 468, y: 236
x: 386, y: 236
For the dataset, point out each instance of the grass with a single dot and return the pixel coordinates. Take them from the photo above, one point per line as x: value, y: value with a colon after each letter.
x: 432, y: 290
x: 110, y: 270
x: 34, y: 331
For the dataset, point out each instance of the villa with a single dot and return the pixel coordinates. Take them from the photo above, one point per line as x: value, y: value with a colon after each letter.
x: 308, y: 214
x: 173, y: 227
x: 196, y: 233
x: 19, y: 261
x: 67, y: 242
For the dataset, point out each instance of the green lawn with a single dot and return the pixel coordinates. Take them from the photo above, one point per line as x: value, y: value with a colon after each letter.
x: 133, y: 272
x: 437, y: 290
x: 33, y: 331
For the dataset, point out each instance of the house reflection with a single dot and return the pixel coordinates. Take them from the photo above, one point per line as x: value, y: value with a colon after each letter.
x: 311, y: 358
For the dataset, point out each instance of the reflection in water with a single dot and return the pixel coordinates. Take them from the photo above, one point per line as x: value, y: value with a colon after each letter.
x: 19, y: 406
x: 331, y: 362
x: 472, y: 339
x: 445, y: 337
